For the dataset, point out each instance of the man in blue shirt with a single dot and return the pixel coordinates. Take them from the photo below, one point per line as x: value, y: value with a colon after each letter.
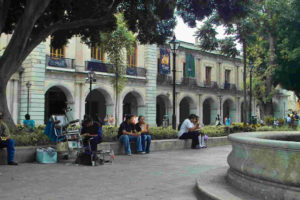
x: 127, y: 133
x: 91, y: 129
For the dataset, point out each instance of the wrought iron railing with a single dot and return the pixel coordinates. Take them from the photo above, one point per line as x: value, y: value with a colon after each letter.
x: 67, y: 63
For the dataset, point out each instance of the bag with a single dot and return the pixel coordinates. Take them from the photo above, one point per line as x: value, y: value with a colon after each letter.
x: 62, y: 146
x: 205, y: 137
x: 84, y: 159
x: 46, y: 155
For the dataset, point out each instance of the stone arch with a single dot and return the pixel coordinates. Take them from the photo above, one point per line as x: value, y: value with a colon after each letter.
x: 133, y: 103
x: 187, y: 106
x: 57, y: 98
x: 99, y: 102
x: 163, y: 108
x: 210, y: 110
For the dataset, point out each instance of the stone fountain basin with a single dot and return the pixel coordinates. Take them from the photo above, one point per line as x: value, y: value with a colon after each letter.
x: 269, y: 156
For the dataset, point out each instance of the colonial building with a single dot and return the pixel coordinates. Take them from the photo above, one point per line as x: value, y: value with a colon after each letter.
x: 207, y: 84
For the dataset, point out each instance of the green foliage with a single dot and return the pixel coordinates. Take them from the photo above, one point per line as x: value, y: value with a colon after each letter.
x: 269, y: 120
x: 23, y: 137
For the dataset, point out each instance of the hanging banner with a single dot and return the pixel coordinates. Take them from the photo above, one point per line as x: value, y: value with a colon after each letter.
x: 164, y: 65
x: 190, y: 65
x: 57, y: 62
x: 96, y: 66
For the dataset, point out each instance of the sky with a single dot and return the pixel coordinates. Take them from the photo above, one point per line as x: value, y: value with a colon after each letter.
x: 185, y: 33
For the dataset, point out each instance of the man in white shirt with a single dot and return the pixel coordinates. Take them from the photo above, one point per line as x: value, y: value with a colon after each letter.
x: 189, y: 130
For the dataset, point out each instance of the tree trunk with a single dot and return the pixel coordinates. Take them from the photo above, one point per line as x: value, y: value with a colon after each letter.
x: 244, y: 84
x: 3, y: 104
x: 117, y: 96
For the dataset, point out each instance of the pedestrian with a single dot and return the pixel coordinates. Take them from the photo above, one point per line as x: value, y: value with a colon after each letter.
x: 143, y: 128
x: 111, y: 120
x: 218, y: 123
x: 28, y: 123
x: 227, y: 121
x: 6, y: 141
x: 105, y: 120
x: 127, y: 133
x: 189, y: 129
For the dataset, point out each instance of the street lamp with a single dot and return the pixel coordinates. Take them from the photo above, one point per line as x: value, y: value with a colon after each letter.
x: 28, y: 85
x: 91, y: 78
x: 251, y: 66
x: 174, y: 45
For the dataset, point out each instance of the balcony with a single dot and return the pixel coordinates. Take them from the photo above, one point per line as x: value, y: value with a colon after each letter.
x: 164, y: 79
x: 66, y: 63
x: 229, y: 86
x: 189, y: 82
x: 98, y: 66
x: 210, y: 84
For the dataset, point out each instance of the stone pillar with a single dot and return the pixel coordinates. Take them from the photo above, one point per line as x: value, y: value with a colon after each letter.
x: 237, y: 78
x: 219, y: 77
x: 200, y: 110
x: 238, y: 110
x: 150, y: 56
x: 35, y: 69
x: 221, y: 108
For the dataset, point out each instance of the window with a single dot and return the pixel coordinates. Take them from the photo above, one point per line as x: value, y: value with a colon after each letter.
x: 184, y: 70
x: 57, y: 53
x: 132, y: 58
x: 227, y: 76
x: 97, y: 52
x: 208, y: 75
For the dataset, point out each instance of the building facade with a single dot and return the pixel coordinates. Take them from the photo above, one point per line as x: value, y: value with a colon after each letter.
x: 207, y: 84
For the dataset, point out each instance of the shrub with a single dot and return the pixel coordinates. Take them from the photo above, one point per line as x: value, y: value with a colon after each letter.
x: 269, y: 120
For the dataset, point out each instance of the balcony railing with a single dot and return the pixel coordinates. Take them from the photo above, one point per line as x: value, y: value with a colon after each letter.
x: 164, y: 79
x: 229, y: 86
x: 67, y: 63
x: 98, y: 66
x: 190, y: 82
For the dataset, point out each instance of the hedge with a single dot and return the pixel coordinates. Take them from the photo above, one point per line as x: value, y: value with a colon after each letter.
x: 37, y: 137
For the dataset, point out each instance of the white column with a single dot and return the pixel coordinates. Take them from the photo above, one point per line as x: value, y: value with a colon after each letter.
x: 15, y: 101
x: 200, y: 110
x: 238, y: 110
x: 77, y: 102
x: 81, y: 101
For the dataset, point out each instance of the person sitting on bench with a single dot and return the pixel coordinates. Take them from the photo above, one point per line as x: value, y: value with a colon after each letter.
x: 127, y: 133
x: 188, y: 130
x: 6, y: 141
x: 91, y: 129
x: 143, y: 128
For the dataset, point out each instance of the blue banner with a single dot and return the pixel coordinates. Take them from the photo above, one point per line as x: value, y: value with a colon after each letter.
x: 57, y: 62
x: 96, y: 66
x: 164, y: 65
x: 131, y: 71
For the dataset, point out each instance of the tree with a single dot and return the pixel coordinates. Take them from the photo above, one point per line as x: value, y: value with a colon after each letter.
x: 115, y: 44
x: 30, y: 22
x: 288, y: 52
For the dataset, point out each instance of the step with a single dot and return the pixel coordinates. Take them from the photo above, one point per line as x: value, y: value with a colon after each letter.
x: 212, y: 185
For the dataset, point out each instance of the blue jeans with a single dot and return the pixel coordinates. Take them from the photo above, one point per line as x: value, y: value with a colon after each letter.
x: 126, y: 139
x: 146, y: 137
x: 10, y: 146
x: 94, y: 142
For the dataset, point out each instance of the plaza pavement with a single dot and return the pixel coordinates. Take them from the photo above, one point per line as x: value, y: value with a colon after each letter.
x: 159, y: 175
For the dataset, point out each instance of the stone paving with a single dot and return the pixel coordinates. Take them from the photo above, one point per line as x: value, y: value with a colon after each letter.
x: 159, y: 175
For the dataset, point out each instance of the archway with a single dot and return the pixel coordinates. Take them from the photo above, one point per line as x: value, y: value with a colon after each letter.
x: 209, y: 111
x: 162, y: 108
x: 95, y: 104
x: 133, y: 104
x: 228, y: 110
x: 186, y: 107
x: 55, y: 102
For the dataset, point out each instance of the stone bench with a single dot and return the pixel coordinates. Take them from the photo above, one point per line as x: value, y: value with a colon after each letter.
x: 27, y: 154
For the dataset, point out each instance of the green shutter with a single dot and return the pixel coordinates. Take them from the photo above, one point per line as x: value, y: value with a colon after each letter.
x: 189, y: 65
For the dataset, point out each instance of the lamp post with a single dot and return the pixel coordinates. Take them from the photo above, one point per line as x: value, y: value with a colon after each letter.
x: 91, y: 78
x: 174, y: 45
x: 251, y: 66
x: 28, y: 85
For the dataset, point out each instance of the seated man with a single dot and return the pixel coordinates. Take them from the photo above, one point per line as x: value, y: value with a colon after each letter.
x: 6, y: 141
x: 143, y: 128
x: 91, y: 129
x: 188, y: 130
x: 28, y: 123
x: 127, y: 133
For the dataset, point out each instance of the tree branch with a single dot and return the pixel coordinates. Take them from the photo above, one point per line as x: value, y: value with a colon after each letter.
x: 4, y: 6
